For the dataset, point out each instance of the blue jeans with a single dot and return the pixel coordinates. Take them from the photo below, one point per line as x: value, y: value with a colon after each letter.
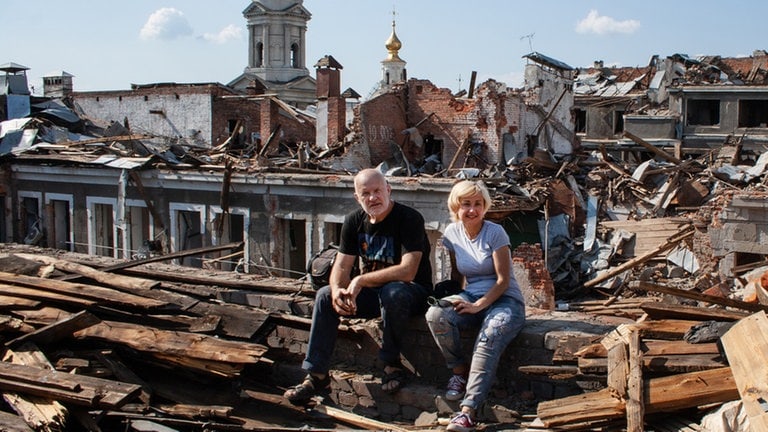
x: 394, y: 302
x: 499, y: 325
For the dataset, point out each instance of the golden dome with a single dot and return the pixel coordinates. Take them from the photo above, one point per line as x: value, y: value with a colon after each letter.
x: 393, y: 45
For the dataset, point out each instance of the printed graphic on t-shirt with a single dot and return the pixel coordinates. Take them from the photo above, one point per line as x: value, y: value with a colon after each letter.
x: 378, y: 251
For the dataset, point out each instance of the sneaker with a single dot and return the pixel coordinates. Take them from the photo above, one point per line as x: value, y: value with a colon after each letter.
x: 461, y: 423
x: 457, y: 385
x: 302, y: 393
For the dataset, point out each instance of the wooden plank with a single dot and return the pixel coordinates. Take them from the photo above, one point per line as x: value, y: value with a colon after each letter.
x: 172, y: 256
x: 688, y: 390
x: 617, y: 364
x: 659, y: 310
x: 655, y: 348
x: 56, y: 331
x: 635, y: 407
x: 667, y: 364
x: 35, y: 293
x: 652, y: 148
x: 41, y: 413
x: 13, y: 302
x: 600, y: 405
x: 148, y: 339
x: 14, y: 325
x: 80, y: 292
x: 723, y: 301
x: 113, y: 280
x: 746, y: 346
x: 89, y: 391
x: 358, y: 420
x: 671, y: 393
x: 665, y: 329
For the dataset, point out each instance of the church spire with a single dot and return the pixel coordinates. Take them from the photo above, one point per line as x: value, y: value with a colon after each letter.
x: 393, y: 44
x: 393, y: 67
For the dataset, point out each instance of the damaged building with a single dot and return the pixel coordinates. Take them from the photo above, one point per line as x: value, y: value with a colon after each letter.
x: 609, y: 181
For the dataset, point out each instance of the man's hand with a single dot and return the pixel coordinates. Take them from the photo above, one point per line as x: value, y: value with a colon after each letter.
x: 344, y: 302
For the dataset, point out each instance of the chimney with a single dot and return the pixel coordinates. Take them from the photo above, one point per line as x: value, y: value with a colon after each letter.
x: 331, y: 111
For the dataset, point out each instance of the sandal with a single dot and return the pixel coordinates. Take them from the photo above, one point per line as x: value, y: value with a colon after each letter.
x: 302, y: 393
x: 393, y: 381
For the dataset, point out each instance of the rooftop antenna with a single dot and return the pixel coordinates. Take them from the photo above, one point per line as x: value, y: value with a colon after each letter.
x: 529, y: 37
x: 459, y: 80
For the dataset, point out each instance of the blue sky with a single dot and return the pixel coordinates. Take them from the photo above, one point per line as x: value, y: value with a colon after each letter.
x: 109, y: 45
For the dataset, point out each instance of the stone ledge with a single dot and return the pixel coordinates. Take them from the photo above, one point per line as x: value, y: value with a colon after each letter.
x: 356, y: 383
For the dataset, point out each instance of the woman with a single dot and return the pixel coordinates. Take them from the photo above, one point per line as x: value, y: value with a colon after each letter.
x: 481, y: 262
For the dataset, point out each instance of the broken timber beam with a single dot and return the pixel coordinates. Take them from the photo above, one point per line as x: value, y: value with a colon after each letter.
x: 76, y: 389
x: 659, y: 310
x: 174, y: 343
x: 40, y: 413
x: 669, y: 244
x: 357, y: 420
x: 670, y: 393
x: 723, y: 301
x: 635, y: 403
x: 652, y: 148
x: 58, y: 330
x: 77, y: 293
x: 113, y: 280
x: 167, y: 257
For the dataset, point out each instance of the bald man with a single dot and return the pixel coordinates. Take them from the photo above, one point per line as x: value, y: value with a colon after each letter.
x: 391, y: 243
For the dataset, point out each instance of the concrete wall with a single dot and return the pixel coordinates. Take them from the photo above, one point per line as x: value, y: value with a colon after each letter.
x: 741, y: 228
x: 272, y: 203
x: 201, y: 115
x: 169, y: 114
x: 650, y: 127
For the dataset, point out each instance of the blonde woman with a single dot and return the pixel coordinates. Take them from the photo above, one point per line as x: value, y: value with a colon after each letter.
x: 491, y: 300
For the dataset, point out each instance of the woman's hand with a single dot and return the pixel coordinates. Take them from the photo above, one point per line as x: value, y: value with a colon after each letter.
x: 465, y: 307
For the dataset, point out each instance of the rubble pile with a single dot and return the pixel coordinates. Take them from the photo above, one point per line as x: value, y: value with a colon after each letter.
x: 88, y: 349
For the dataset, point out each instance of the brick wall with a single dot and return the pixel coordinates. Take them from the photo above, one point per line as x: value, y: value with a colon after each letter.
x: 531, y: 273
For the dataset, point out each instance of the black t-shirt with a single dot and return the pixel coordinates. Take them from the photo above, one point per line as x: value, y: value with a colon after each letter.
x: 383, y: 244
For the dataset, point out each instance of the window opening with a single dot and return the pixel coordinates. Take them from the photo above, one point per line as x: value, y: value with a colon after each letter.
x: 753, y: 113
x: 703, y: 112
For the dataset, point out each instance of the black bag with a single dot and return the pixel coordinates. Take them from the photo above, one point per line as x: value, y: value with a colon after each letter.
x: 320, y: 265
x: 446, y: 288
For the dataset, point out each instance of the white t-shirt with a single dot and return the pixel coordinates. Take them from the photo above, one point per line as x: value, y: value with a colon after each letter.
x: 474, y: 258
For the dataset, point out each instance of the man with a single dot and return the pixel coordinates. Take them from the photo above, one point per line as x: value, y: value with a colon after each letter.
x: 395, y: 280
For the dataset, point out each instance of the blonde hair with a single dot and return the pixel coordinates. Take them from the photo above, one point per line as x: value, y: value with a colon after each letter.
x: 464, y: 189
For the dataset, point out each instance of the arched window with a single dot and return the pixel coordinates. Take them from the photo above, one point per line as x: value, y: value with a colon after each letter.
x: 259, y: 54
x: 295, y: 56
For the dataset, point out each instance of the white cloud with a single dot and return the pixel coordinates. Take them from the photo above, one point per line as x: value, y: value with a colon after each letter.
x: 167, y: 24
x: 228, y: 33
x: 595, y: 23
